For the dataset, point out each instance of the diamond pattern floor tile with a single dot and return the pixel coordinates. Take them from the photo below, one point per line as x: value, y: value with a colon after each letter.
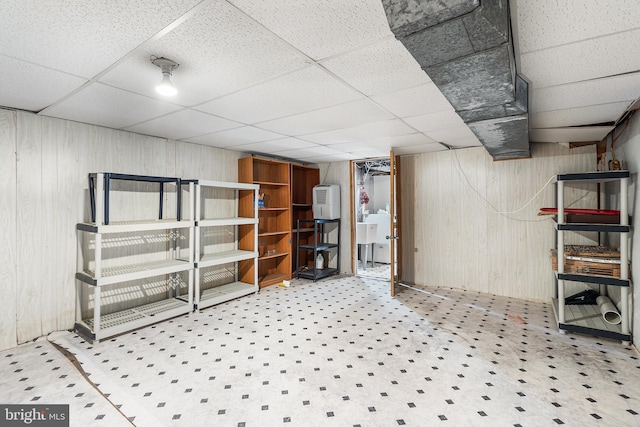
x: 342, y: 352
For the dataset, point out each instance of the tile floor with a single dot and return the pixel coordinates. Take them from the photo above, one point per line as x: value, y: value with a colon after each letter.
x: 374, y: 271
x: 338, y: 352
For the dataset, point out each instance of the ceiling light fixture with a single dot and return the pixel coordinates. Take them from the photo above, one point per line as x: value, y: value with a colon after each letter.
x: 165, y: 87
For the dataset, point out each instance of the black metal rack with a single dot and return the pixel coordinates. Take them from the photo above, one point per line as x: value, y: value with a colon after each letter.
x: 108, y: 176
x: 320, y: 244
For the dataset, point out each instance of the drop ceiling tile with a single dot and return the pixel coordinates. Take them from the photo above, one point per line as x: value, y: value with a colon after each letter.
x: 341, y: 157
x: 183, y: 124
x: 589, y: 115
x: 336, y: 117
x: 370, y: 153
x: 406, y: 140
x: 107, y: 106
x: 358, y: 146
x: 281, y: 97
x: 418, y: 149
x: 273, y: 146
x: 435, y: 121
x: 460, y: 136
x: 554, y: 23
x: 607, y: 90
x: 82, y: 37
x: 363, y: 132
x: 424, y: 99
x: 379, y: 68
x: 305, y: 153
x: 220, y: 50
x: 321, y: 29
x: 471, y: 141
x: 584, y: 60
x: 30, y: 87
x: 385, y: 144
x: 579, y: 134
x: 238, y: 136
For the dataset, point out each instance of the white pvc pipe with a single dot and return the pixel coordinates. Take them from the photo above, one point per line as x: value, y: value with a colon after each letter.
x: 609, y: 312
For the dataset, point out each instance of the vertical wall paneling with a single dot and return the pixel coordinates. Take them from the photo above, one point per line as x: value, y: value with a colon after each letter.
x: 156, y: 164
x: 460, y: 240
x: 44, y: 193
x: 169, y: 159
x: 29, y: 229
x: 468, y: 230
x: 199, y: 161
x: 185, y: 161
x: 8, y: 254
x: 407, y: 219
x: 423, y: 258
x: 339, y: 173
x: 628, y: 149
x: 51, y: 285
x: 71, y: 182
x: 44, y: 163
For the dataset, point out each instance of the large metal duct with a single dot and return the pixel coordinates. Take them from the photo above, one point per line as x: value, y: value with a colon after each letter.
x: 466, y: 49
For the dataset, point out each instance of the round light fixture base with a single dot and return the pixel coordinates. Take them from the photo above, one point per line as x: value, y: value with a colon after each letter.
x: 165, y: 87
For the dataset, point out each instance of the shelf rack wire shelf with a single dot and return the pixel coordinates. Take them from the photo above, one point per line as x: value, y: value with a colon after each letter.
x: 320, y: 244
x: 100, y: 326
x: 105, y: 179
x: 588, y: 319
x: 242, y: 258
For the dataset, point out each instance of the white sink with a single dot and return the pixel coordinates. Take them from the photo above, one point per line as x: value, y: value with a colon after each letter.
x: 366, y: 233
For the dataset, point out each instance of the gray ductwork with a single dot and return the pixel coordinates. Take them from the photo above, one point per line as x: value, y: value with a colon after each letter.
x: 465, y: 47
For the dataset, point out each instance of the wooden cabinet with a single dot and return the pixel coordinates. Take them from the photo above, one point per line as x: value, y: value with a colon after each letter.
x: 274, y: 213
x: 303, y: 179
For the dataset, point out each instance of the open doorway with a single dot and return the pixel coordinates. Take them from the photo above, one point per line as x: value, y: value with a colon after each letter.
x: 373, y: 222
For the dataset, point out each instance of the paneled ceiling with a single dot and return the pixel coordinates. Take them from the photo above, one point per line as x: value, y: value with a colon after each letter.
x: 311, y: 80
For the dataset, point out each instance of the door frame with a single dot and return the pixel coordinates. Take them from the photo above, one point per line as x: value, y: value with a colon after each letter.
x: 395, y: 210
x: 393, y: 232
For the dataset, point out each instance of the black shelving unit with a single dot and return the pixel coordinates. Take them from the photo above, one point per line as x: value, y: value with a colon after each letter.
x: 322, y: 229
x: 588, y: 319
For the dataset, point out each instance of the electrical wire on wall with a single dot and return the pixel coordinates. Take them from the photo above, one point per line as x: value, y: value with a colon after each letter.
x: 493, y: 209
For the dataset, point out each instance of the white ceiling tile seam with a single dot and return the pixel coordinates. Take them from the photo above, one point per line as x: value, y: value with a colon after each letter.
x: 153, y: 38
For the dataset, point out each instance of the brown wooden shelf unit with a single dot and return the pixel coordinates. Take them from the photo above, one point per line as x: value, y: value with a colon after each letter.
x: 274, y: 226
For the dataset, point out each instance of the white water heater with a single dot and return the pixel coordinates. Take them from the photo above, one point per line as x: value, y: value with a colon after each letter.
x: 326, y: 201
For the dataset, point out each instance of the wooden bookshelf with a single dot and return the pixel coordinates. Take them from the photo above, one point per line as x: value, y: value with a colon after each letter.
x: 274, y: 225
x: 303, y: 179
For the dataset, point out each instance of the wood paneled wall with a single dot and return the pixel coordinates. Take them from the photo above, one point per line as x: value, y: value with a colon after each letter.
x: 44, y: 163
x: 339, y: 173
x: 453, y: 238
x: 628, y: 150
x: 8, y: 225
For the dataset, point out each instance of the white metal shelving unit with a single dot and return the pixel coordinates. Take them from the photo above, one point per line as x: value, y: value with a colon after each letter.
x: 236, y: 257
x: 94, y: 276
x: 588, y: 319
